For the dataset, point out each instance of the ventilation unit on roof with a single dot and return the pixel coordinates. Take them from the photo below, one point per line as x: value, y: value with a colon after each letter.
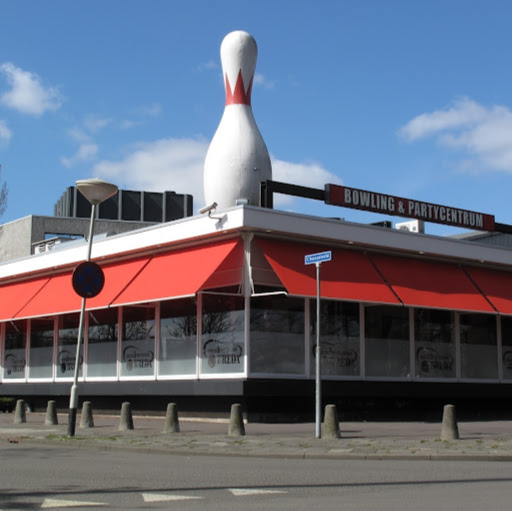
x: 411, y: 226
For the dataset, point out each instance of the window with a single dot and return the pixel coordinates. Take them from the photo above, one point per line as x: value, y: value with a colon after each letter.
x: 387, y: 341
x: 434, y: 334
x: 15, y: 353
x: 178, y: 337
x: 222, y: 335
x: 277, y: 335
x: 478, y: 346
x: 41, y: 348
x: 67, y: 341
x: 138, y: 341
x: 102, y: 344
x: 339, y: 337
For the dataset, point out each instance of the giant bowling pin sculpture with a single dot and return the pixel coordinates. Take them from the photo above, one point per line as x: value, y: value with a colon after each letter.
x: 237, y: 159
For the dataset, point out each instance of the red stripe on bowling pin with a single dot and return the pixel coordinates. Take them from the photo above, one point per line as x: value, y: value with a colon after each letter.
x: 238, y: 96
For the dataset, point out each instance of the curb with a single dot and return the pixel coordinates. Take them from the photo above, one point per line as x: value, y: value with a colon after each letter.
x: 92, y: 445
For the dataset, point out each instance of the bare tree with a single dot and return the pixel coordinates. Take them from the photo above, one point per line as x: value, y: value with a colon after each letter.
x: 3, y: 194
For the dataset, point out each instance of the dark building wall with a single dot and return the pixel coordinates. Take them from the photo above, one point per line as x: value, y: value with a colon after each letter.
x: 128, y: 205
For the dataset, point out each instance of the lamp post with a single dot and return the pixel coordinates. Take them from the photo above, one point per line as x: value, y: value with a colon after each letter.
x: 95, y: 191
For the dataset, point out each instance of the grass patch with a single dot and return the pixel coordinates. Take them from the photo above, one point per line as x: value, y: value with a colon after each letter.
x: 62, y: 437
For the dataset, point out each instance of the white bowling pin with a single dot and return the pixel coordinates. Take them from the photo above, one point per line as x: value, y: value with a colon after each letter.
x: 237, y: 159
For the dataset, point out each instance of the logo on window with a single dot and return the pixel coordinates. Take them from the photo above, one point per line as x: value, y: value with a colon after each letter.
x: 136, y: 358
x: 222, y: 352
x: 13, y: 364
x: 431, y: 361
x: 67, y: 361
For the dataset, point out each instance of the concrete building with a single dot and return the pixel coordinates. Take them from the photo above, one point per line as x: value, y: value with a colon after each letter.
x: 126, y: 211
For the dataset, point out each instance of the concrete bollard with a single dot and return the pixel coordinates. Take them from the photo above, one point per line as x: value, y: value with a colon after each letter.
x: 331, y: 422
x: 172, y: 424
x: 86, y: 420
x: 449, y: 429
x: 20, y: 412
x: 126, y: 422
x: 236, y: 421
x: 51, y: 414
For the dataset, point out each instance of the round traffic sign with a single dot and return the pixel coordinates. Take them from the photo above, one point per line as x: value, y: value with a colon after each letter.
x: 88, y: 279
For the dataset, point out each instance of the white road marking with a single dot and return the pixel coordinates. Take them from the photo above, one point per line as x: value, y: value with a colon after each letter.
x: 68, y: 503
x: 241, y: 492
x: 156, y: 497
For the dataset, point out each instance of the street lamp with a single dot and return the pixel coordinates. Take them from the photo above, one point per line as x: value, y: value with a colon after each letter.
x: 95, y: 191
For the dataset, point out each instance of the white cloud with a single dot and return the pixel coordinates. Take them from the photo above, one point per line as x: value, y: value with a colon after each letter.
x: 141, y: 113
x: 483, y: 133
x: 311, y: 175
x: 87, y: 148
x: 166, y: 164
x: 5, y: 134
x: 153, y: 110
x: 211, y: 64
x: 86, y: 152
x: 177, y: 165
x: 260, y: 79
x: 27, y: 94
x: 94, y: 123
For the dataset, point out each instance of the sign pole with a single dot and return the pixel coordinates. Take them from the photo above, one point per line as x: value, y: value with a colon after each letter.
x: 317, y: 259
x: 318, y: 380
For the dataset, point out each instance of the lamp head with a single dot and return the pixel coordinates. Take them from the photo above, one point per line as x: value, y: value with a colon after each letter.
x: 96, y: 190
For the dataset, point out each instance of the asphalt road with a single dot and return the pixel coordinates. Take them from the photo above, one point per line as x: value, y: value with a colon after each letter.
x: 56, y: 477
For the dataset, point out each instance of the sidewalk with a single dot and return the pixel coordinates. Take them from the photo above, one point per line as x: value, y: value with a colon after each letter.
x: 489, y: 440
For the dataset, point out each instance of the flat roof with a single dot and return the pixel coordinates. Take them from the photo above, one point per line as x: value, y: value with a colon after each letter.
x: 268, y: 222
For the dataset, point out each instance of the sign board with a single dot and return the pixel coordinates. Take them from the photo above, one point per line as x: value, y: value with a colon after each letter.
x: 319, y: 257
x: 88, y: 279
x: 408, y: 208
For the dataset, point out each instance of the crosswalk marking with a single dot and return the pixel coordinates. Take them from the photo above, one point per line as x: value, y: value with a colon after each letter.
x: 157, y: 497
x: 68, y: 503
x: 243, y: 492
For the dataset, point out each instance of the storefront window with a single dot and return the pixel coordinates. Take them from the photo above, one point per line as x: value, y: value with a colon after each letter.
x: 506, y: 340
x: 434, y: 334
x: 138, y: 341
x: 178, y: 337
x: 102, y: 344
x: 15, y: 350
x: 387, y: 341
x: 66, y: 351
x: 222, y: 336
x: 478, y: 346
x: 277, y: 335
x: 41, y: 348
x: 339, y: 338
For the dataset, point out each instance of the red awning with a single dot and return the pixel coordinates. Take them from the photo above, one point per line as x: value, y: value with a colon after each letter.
x: 230, y: 271
x: 421, y: 283
x: 184, y: 272
x: 496, y: 285
x: 179, y: 273
x: 58, y: 296
x: 13, y: 297
x: 348, y: 276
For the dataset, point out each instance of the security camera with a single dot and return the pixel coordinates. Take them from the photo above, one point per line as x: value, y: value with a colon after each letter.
x: 208, y: 209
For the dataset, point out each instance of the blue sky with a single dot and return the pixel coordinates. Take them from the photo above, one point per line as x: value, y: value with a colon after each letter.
x: 409, y: 98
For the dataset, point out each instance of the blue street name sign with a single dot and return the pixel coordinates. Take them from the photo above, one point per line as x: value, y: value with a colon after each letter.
x: 319, y: 257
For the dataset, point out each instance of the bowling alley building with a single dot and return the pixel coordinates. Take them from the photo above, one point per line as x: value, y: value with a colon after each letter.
x: 220, y: 307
